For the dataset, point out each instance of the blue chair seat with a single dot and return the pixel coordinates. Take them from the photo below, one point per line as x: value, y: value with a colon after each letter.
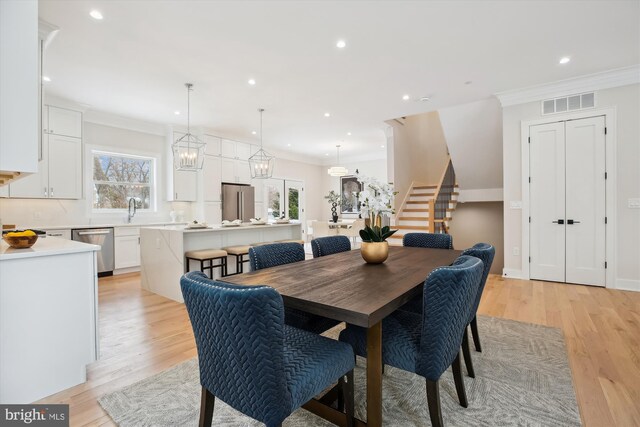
x: 312, y: 362
x: 401, y: 332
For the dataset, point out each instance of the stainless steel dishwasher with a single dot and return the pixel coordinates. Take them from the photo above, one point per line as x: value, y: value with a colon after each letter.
x: 102, y: 237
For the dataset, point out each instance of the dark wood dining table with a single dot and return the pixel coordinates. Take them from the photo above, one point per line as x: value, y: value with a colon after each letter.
x: 343, y: 287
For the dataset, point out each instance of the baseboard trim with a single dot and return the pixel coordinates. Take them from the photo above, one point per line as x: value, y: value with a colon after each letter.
x: 627, y: 285
x: 126, y: 270
x: 512, y: 273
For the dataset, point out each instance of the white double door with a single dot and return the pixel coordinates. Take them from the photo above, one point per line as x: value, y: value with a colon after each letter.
x: 567, y: 201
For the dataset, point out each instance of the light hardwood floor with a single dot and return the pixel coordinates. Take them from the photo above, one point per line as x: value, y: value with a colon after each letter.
x: 143, y: 334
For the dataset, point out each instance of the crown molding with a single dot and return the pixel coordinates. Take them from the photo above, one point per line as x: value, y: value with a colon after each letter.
x: 591, y: 82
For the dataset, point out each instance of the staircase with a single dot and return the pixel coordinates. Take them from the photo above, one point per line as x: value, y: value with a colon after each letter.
x: 427, y: 208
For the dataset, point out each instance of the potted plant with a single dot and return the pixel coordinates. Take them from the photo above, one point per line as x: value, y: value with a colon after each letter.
x: 333, y: 198
x: 377, y: 200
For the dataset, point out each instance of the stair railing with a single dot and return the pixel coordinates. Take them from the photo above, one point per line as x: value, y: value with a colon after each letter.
x: 439, y: 205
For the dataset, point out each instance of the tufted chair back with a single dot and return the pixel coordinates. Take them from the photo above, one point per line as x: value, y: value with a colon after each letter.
x: 485, y: 253
x: 266, y: 256
x: 428, y: 240
x: 239, y: 333
x: 323, y: 246
x: 449, y: 293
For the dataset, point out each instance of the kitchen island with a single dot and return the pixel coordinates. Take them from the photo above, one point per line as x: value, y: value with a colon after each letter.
x: 162, y: 250
x: 48, y: 317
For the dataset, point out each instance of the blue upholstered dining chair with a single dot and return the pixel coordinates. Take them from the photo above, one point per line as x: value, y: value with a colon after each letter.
x: 251, y: 360
x: 275, y: 254
x: 424, y: 240
x: 485, y: 253
x: 429, y: 343
x: 329, y: 245
x: 428, y: 240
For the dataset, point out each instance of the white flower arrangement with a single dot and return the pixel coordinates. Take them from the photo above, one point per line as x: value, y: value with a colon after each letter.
x: 376, y: 197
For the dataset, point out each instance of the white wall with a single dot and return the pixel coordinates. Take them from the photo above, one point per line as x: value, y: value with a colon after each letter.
x: 474, y: 136
x: 626, y: 100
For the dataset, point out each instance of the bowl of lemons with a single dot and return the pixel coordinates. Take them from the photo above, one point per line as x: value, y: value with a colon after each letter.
x: 20, y: 239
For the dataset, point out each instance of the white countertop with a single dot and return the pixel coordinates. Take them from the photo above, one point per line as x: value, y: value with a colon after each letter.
x: 218, y: 228
x: 45, y: 247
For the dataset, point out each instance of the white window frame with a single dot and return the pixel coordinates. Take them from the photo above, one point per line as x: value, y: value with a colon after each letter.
x: 152, y: 180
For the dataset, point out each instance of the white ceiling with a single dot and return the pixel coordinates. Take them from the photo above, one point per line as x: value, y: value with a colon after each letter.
x: 135, y: 61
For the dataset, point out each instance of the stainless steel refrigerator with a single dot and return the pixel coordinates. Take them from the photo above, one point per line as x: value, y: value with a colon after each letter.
x: 238, y: 202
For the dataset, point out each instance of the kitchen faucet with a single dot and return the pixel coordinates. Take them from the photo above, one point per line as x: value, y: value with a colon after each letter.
x: 131, y: 215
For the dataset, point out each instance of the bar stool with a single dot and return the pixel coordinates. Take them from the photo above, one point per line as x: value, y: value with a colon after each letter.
x: 291, y: 241
x: 240, y: 252
x: 209, y: 255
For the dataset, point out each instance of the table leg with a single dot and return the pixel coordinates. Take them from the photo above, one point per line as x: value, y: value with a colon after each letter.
x: 374, y: 375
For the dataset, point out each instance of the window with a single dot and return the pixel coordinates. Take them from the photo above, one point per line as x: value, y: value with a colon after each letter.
x: 120, y: 177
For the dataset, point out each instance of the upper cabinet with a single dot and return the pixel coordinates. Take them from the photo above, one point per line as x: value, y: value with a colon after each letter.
x: 19, y: 86
x: 235, y: 149
x: 60, y: 121
x: 59, y: 174
x: 213, y: 145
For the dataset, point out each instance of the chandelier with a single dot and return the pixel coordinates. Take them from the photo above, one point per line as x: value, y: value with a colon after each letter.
x: 188, y: 150
x: 338, y: 170
x: 261, y: 163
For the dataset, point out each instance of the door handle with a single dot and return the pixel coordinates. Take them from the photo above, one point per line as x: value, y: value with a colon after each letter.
x: 92, y: 233
x: 560, y: 221
x: 571, y: 222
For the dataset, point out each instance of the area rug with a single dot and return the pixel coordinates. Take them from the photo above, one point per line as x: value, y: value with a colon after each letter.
x: 522, y: 379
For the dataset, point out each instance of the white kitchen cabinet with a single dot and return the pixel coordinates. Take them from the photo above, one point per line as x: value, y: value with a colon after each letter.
x: 228, y: 148
x: 4, y: 191
x: 235, y: 171
x: 184, y: 186
x: 243, y: 151
x: 127, y: 247
x: 213, y: 212
x: 235, y: 149
x: 211, y: 179
x: 259, y: 189
x: 59, y: 172
x: 19, y: 86
x: 61, y: 121
x: 213, y: 145
x: 242, y: 172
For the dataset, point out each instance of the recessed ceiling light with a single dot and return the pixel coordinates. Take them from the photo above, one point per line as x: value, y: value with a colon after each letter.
x: 326, y: 154
x: 46, y: 79
x: 253, y: 132
x: 95, y: 14
x: 327, y: 114
x: 565, y: 60
x: 341, y: 44
x: 424, y: 98
x: 251, y: 82
x: 288, y: 145
x: 348, y: 133
x: 405, y: 97
x: 382, y: 146
x: 177, y: 113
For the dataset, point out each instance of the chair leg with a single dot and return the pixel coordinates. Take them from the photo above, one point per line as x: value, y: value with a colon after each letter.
x: 433, y: 400
x: 341, y: 386
x: 349, y: 401
x: 206, y: 408
x: 476, y: 336
x: 466, y: 352
x: 456, y: 366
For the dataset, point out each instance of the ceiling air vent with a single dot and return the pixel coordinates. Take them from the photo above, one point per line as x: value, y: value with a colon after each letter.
x: 569, y: 103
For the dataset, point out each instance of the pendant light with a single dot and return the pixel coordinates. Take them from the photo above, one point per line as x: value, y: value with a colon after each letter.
x: 261, y: 163
x: 188, y: 150
x: 338, y: 170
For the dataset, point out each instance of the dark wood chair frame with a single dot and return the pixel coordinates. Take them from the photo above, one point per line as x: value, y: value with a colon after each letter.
x: 240, y: 260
